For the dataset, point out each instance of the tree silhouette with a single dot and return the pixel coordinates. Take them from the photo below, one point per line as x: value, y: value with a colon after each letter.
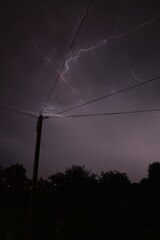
x: 144, y: 182
x: 1, y: 178
x: 114, y: 180
x: 77, y: 173
x: 14, y: 177
x: 154, y: 173
x: 79, y: 180
x: 57, y: 179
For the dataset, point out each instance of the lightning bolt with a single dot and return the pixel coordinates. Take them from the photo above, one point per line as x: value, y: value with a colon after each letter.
x: 133, y: 73
x: 49, y: 61
x: 48, y: 113
x: 81, y: 51
x: 84, y: 51
x: 48, y: 109
x: 149, y: 22
x: 106, y: 41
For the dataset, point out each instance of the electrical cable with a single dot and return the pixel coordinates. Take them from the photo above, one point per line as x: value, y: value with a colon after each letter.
x: 108, y: 113
x: 18, y: 111
x: 69, y: 50
x: 110, y: 95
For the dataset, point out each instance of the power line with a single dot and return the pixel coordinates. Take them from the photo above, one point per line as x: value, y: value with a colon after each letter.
x: 69, y: 50
x: 108, y: 113
x: 110, y: 95
x: 89, y: 102
x: 18, y: 111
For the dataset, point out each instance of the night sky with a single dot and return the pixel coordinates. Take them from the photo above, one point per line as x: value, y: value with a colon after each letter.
x: 117, y: 46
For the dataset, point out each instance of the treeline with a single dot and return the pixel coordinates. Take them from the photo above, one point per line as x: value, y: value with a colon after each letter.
x: 78, y: 204
x: 75, y: 178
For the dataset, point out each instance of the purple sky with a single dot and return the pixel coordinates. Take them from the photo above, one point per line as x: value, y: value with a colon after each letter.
x: 117, y: 46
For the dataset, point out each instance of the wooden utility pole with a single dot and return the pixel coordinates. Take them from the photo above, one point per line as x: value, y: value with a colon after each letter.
x: 31, y: 228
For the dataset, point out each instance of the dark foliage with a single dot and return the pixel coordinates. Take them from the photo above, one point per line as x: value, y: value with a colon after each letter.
x: 114, y: 181
x: 13, y: 178
x: 154, y: 173
x: 77, y: 205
